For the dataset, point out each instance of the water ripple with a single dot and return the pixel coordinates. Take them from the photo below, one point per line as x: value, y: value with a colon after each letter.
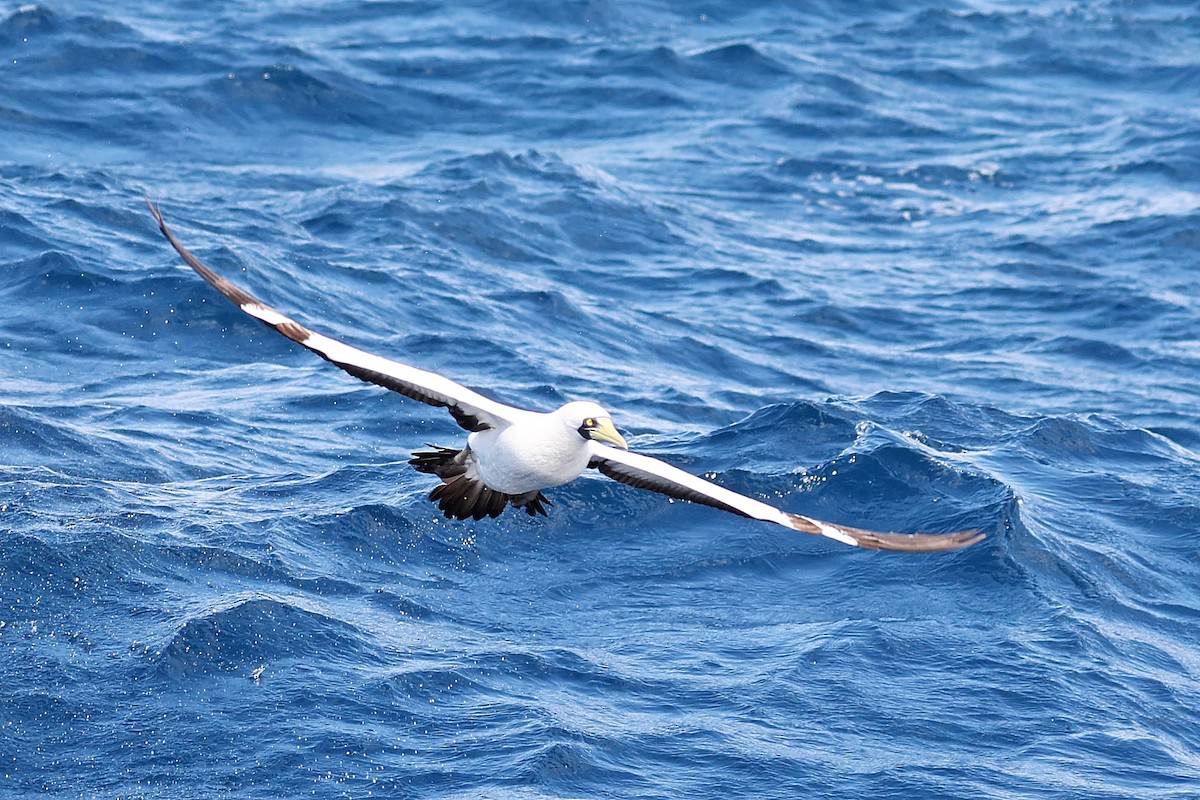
x: 898, y: 266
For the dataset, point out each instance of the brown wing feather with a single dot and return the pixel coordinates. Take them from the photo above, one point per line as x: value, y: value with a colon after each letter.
x: 464, y: 415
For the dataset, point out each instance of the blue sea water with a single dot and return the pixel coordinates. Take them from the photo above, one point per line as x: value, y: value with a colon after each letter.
x: 911, y: 266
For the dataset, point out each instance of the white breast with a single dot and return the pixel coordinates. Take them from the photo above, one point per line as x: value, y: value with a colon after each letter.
x: 533, y: 453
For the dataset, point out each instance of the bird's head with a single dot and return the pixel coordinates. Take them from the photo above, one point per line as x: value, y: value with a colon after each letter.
x: 593, y: 422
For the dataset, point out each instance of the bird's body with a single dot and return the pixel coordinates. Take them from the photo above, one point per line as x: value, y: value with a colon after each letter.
x: 537, y: 451
x: 517, y: 460
x: 512, y: 454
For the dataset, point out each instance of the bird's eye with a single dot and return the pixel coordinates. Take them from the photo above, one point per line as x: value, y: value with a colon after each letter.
x: 589, y: 423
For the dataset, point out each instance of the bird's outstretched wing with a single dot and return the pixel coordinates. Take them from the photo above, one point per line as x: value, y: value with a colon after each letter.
x: 644, y: 472
x: 470, y: 409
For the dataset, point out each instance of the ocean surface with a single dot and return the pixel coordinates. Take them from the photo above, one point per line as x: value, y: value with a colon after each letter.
x: 904, y: 266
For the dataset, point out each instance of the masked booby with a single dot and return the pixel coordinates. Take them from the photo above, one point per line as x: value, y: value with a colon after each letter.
x: 511, y: 454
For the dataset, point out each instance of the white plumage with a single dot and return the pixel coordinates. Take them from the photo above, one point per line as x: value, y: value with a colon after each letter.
x: 511, y: 454
x: 537, y: 451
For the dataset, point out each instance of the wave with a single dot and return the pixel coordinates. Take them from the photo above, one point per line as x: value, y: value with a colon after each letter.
x: 911, y: 268
x: 250, y: 634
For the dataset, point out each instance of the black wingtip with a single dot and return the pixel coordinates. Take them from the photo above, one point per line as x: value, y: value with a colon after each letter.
x: 234, y: 293
x: 920, y: 542
x: 154, y: 210
x: 896, y: 542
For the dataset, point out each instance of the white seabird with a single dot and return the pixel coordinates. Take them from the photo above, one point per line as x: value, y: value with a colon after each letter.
x: 512, y: 454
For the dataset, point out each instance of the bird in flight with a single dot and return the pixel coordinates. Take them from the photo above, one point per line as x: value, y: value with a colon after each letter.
x: 511, y: 454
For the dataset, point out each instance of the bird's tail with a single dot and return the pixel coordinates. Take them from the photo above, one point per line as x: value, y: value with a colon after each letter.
x: 445, y: 462
x: 461, y: 494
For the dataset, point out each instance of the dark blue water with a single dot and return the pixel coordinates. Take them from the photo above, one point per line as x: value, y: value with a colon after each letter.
x: 916, y: 267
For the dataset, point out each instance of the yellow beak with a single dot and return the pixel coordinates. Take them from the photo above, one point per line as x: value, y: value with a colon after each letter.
x: 605, y: 431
